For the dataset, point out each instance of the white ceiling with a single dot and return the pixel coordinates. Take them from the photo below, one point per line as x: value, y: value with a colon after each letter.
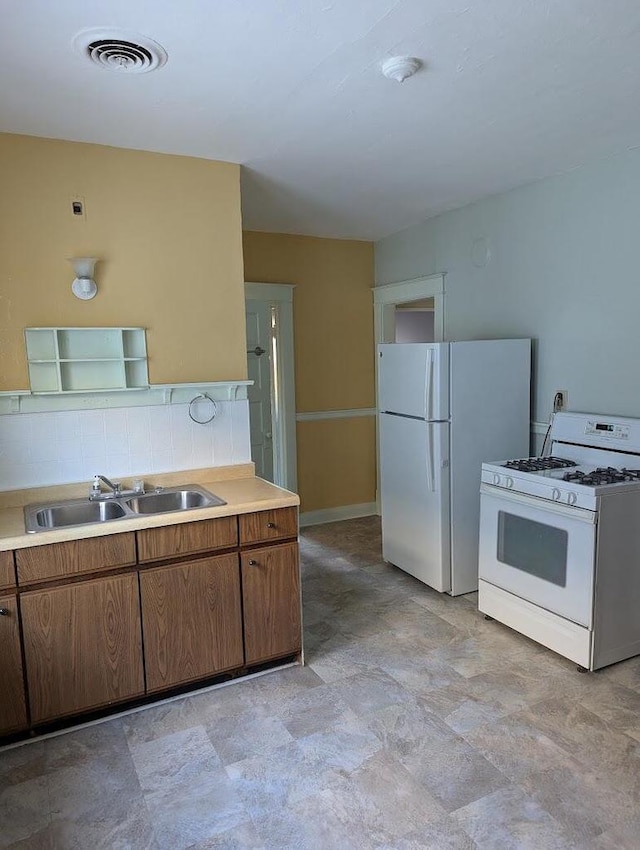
x: 512, y: 91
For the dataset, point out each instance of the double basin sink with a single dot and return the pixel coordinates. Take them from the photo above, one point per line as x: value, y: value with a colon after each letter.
x: 74, y: 512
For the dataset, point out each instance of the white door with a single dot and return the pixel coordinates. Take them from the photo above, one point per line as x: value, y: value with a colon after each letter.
x: 259, y: 371
x: 541, y: 551
x: 413, y: 379
x: 414, y: 485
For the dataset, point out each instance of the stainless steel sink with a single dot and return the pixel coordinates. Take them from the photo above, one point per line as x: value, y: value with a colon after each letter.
x: 173, y: 499
x: 75, y: 512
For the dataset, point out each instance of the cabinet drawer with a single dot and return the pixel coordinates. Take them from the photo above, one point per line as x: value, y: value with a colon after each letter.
x: 264, y: 526
x: 7, y: 570
x: 75, y: 557
x: 171, y: 541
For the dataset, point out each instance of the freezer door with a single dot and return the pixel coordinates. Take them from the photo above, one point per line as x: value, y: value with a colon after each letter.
x: 413, y: 379
x: 414, y: 484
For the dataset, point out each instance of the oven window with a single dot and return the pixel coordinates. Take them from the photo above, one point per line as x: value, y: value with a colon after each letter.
x: 534, y: 548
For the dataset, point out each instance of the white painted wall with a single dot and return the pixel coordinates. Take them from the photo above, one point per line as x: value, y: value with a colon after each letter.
x: 564, y: 270
x: 38, y: 449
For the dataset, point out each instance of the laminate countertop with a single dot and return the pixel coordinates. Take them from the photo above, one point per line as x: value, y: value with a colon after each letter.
x: 237, y: 485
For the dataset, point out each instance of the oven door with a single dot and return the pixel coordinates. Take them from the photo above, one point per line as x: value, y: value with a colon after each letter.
x: 541, y: 551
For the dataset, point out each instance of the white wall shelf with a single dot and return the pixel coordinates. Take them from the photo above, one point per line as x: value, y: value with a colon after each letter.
x: 80, y: 360
x: 97, y: 368
x: 26, y: 401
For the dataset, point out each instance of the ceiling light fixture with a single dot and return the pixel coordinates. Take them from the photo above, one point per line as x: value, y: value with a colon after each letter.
x: 400, y: 68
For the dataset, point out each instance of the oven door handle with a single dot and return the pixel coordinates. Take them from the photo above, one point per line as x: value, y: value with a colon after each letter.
x: 556, y: 508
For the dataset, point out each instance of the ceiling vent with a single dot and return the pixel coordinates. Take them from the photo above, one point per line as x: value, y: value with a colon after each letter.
x: 115, y: 50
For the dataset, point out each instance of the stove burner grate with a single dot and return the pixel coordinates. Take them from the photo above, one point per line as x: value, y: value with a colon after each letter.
x: 602, y: 475
x: 538, y: 464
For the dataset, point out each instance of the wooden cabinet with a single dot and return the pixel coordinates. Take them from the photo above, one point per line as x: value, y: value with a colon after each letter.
x: 271, y: 602
x: 75, y: 557
x: 7, y: 571
x: 83, y: 646
x: 193, y: 600
x: 191, y: 620
x: 265, y: 526
x: 13, y: 710
x: 270, y: 585
x: 174, y: 541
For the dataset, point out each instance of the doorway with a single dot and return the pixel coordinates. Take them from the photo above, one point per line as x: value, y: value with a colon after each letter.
x: 407, y: 294
x: 260, y: 358
x: 270, y: 352
x: 415, y: 321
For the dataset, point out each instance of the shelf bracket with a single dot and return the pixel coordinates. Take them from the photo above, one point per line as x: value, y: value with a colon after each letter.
x: 167, y: 394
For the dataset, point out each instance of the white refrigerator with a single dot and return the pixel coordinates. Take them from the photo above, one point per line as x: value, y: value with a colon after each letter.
x: 444, y: 408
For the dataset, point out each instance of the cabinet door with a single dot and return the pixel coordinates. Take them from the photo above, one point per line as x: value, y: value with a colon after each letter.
x: 191, y: 620
x: 13, y: 711
x: 264, y: 526
x: 271, y: 598
x: 83, y: 646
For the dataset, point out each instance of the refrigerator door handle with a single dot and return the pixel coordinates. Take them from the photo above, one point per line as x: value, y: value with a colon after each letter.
x: 429, y: 458
x: 429, y: 384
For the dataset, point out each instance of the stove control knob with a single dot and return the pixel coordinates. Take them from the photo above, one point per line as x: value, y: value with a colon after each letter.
x: 496, y: 478
x: 555, y: 494
x: 509, y: 482
x: 572, y: 498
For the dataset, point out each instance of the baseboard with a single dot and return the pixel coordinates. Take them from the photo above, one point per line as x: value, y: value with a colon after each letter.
x: 337, y: 514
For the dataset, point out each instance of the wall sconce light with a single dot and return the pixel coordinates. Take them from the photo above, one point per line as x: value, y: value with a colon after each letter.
x: 84, y: 286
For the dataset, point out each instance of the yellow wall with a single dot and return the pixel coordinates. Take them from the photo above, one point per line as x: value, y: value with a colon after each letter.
x: 167, y: 230
x: 334, y: 358
x: 332, y: 310
x: 336, y: 462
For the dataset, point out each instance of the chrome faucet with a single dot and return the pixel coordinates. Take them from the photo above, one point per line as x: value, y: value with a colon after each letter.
x: 96, y: 492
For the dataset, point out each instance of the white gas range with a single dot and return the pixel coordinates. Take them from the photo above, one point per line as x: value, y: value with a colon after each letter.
x: 560, y: 541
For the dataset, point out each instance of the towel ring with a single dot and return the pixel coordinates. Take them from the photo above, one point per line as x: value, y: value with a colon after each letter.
x: 214, y: 409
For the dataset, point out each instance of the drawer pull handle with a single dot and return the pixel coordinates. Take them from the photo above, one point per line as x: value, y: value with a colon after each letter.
x: 253, y: 563
x: 4, y: 612
x: 271, y: 525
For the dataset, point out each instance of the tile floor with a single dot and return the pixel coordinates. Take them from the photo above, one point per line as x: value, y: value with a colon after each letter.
x: 415, y: 724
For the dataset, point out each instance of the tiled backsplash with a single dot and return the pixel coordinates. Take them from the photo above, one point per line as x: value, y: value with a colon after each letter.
x: 39, y: 449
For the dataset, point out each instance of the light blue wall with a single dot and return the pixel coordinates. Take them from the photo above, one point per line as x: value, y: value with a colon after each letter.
x: 564, y: 270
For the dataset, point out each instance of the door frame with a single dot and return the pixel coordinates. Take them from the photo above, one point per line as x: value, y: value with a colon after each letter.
x: 385, y: 298
x: 388, y: 295
x: 280, y: 297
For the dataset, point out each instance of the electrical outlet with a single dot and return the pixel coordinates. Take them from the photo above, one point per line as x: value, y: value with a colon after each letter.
x: 559, y: 401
